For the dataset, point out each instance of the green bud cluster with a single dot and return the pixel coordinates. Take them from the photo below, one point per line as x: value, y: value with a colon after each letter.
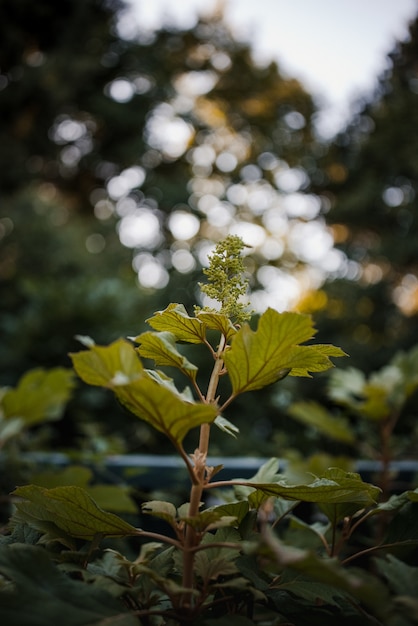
x: 226, y: 279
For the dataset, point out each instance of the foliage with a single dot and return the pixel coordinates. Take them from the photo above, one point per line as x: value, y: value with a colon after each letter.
x: 247, y: 557
x: 373, y: 408
x: 371, y: 173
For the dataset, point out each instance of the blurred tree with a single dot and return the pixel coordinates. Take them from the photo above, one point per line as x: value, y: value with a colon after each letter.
x: 177, y: 135
x: 372, y: 186
x: 162, y: 142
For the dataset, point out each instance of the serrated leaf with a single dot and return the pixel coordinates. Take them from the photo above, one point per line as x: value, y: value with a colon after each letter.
x: 152, y: 398
x: 165, y: 410
x: 71, y: 509
x: 342, y: 488
x: 162, y: 510
x: 115, y: 498
x: 219, y: 322
x: 262, y: 357
x: 210, y: 519
x: 108, y: 366
x: 176, y: 320
x: 238, y: 510
x: 40, y: 395
x: 313, y: 414
x: 41, y: 595
x: 161, y: 348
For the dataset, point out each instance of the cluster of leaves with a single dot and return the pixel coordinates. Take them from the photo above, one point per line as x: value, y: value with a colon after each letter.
x: 369, y: 411
x: 247, y: 556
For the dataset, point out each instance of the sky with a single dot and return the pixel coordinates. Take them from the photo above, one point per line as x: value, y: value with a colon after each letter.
x: 337, y: 48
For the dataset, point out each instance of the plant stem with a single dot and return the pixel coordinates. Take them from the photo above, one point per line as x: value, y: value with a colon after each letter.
x: 191, y: 539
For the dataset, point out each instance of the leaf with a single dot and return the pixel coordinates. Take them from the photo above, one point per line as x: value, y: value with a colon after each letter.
x: 226, y: 426
x: 335, y: 487
x: 115, y: 498
x: 165, y: 410
x: 369, y: 591
x: 219, y: 322
x: 40, y: 395
x: 402, y: 578
x: 262, y: 357
x: 161, y: 348
x: 209, y: 520
x: 70, y: 509
x: 108, y: 366
x: 238, y: 510
x: 175, y: 320
x: 151, y: 397
x: 39, y: 594
x: 313, y: 414
x: 162, y: 510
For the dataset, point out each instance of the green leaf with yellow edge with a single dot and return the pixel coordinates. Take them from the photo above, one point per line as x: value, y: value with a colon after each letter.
x: 108, y: 366
x: 40, y: 395
x: 175, y: 319
x: 164, y: 409
x: 219, y: 322
x: 161, y: 348
x: 262, y: 357
x: 313, y: 414
x: 71, y: 509
x: 362, y: 495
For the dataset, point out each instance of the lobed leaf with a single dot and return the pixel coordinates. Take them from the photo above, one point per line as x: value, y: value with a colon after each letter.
x: 164, y: 409
x: 161, y: 348
x: 337, y: 486
x: 262, y: 357
x: 71, y: 509
x: 150, y: 396
x: 176, y: 320
x: 40, y: 395
x: 108, y: 366
x: 219, y: 322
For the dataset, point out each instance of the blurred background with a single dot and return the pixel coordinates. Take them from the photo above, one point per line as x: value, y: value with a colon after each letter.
x: 134, y: 137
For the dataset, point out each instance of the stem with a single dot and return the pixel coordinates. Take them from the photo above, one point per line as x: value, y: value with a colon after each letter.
x: 191, y: 539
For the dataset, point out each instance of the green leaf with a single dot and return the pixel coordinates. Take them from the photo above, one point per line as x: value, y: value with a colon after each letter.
x: 402, y: 578
x: 335, y: 487
x: 238, y: 510
x: 115, y: 498
x: 161, y: 348
x: 262, y: 357
x: 151, y: 397
x: 369, y: 591
x: 40, y: 395
x: 313, y: 414
x: 108, y: 366
x: 226, y: 426
x: 70, y: 509
x: 176, y: 320
x: 219, y: 322
x: 39, y: 594
x: 165, y: 410
x: 209, y: 520
x: 162, y: 510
